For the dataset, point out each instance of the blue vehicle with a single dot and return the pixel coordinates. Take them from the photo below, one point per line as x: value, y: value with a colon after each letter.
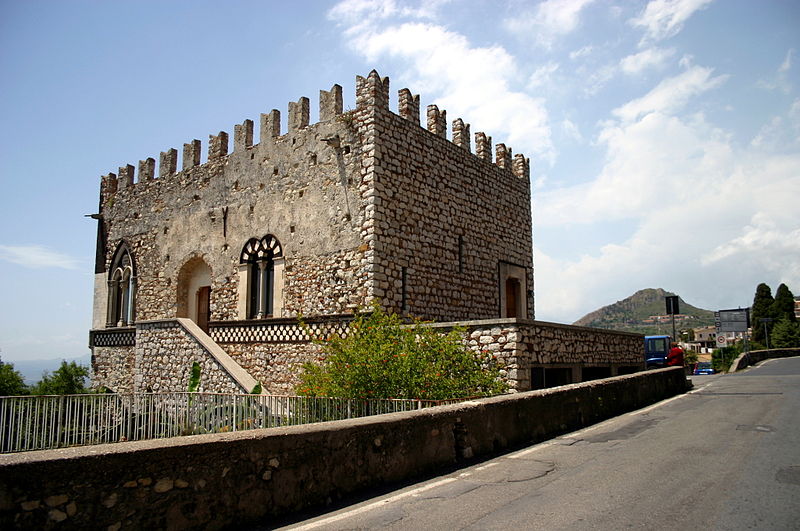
x: 656, y: 349
x: 704, y: 367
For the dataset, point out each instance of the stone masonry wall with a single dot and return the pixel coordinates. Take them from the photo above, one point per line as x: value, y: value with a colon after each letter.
x: 164, y: 357
x: 276, y: 365
x: 551, y: 343
x: 113, y: 367
x: 441, y: 217
x: 296, y: 187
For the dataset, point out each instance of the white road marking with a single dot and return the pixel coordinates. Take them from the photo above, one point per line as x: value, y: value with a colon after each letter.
x: 515, y: 455
x: 369, y: 507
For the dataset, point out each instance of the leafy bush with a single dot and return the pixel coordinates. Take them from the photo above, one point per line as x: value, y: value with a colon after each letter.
x: 722, y: 358
x: 68, y: 379
x: 383, y: 358
x: 11, y: 381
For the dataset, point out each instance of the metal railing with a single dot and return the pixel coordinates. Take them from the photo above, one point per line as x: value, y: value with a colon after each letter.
x: 46, y: 422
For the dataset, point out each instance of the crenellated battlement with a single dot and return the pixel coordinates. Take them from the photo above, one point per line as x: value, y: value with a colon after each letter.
x: 372, y: 91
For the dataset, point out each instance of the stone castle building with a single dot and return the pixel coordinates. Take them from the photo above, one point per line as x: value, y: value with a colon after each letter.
x: 214, y: 262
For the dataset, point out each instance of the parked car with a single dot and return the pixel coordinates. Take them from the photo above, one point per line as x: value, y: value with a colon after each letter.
x: 704, y: 367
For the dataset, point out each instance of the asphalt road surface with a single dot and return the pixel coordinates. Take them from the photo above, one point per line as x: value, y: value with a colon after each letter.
x: 724, y: 456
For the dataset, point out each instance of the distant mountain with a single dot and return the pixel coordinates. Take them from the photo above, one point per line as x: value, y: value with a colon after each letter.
x: 644, y: 312
x: 31, y: 370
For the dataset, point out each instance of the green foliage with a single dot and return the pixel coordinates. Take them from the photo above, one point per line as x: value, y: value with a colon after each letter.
x: 257, y: 389
x: 783, y: 305
x: 722, y: 358
x: 690, y: 358
x: 11, y: 381
x: 382, y: 358
x: 785, y: 334
x: 194, y: 378
x: 762, y: 308
x: 68, y: 379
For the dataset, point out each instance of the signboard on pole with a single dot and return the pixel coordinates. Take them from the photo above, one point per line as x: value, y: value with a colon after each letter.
x: 672, y: 305
x: 722, y: 341
x: 732, y: 320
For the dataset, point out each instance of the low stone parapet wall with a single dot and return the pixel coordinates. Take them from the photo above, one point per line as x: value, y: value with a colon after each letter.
x: 219, y: 480
x: 755, y: 356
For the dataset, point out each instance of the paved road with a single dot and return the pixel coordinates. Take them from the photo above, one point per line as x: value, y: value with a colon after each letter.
x: 725, y: 456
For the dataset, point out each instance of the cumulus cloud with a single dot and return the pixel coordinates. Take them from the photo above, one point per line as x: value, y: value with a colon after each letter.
x: 650, y: 58
x: 703, y: 211
x: 662, y: 19
x: 548, y: 21
x: 37, y: 257
x: 468, y: 81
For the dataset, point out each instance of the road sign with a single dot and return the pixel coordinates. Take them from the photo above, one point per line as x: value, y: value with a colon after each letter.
x: 722, y: 341
x: 672, y: 305
x: 732, y: 320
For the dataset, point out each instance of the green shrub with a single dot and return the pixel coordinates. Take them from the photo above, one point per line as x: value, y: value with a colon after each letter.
x: 383, y: 358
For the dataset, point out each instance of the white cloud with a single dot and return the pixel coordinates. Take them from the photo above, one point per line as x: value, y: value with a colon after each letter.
x: 782, y: 133
x: 548, y: 21
x: 780, y: 81
x: 650, y: 58
x: 662, y: 19
x: 707, y: 217
x: 543, y: 75
x: 571, y: 130
x: 37, y: 257
x: 671, y: 94
x: 763, y: 237
x: 471, y: 82
x: 786, y: 65
x: 358, y: 13
x: 581, y: 53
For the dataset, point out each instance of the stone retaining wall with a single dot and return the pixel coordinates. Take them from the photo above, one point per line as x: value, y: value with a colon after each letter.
x: 221, y: 480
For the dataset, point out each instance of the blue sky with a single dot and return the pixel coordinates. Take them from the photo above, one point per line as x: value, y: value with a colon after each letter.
x: 664, y: 136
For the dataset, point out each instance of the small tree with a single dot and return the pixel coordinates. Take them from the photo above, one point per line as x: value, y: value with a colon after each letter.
x: 68, y: 379
x: 11, y: 381
x: 383, y: 358
x: 786, y: 334
x: 762, y: 308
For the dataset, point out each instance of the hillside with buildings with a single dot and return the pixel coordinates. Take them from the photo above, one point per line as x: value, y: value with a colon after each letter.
x: 644, y: 312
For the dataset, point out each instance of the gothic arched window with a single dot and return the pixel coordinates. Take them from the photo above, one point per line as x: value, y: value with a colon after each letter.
x: 260, y: 257
x: 121, y: 288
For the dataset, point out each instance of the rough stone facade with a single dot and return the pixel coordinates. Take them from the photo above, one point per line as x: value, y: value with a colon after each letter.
x: 164, y: 357
x: 361, y: 207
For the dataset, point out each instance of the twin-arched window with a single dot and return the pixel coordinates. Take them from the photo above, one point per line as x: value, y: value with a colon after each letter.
x: 121, y: 289
x: 263, y: 259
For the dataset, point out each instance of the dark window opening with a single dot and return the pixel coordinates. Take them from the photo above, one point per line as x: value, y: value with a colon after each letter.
x: 260, y: 256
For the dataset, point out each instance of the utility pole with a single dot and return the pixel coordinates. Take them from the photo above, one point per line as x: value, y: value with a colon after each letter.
x: 766, y: 320
x: 672, y: 309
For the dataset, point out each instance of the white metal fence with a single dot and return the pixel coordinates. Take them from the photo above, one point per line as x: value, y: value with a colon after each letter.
x: 44, y: 422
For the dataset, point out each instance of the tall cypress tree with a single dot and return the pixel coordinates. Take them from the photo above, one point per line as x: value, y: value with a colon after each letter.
x: 762, y: 308
x: 783, y: 305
